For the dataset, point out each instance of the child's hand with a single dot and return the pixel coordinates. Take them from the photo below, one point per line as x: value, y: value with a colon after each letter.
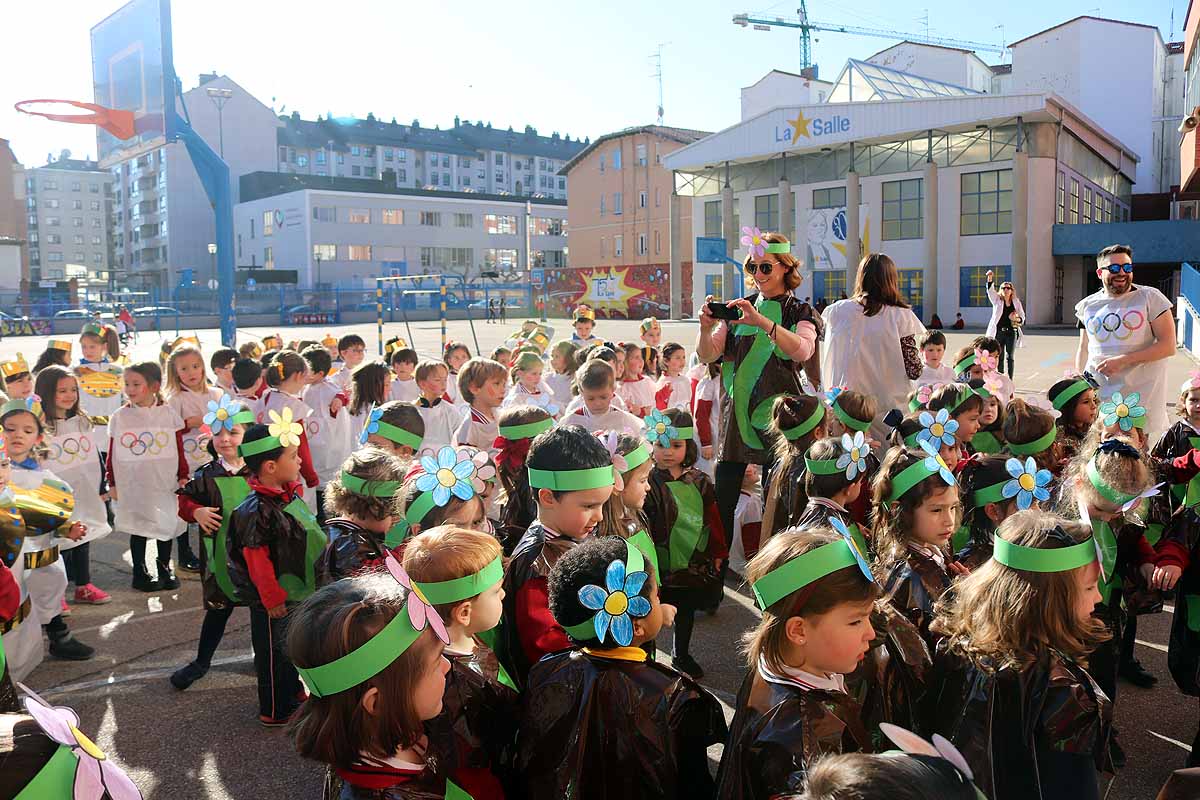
x: 208, y: 518
x: 706, y: 452
x: 193, y: 422
x: 278, y: 612
x: 335, y: 406
x: 957, y: 568
x: 1147, y: 573
x: 77, y: 531
x: 104, y: 498
x: 1165, y: 577
x: 182, y: 482
x: 112, y: 493
x: 668, y: 614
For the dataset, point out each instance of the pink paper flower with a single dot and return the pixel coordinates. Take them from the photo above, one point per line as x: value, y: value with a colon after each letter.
x: 95, y: 774
x: 926, y: 391
x: 485, y: 469
x: 754, y: 241
x: 420, y: 611
x: 986, y: 360
x: 609, y: 440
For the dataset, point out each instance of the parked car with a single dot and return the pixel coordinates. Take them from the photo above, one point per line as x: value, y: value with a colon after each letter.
x: 6, y: 317
x: 154, y: 311
x: 73, y: 313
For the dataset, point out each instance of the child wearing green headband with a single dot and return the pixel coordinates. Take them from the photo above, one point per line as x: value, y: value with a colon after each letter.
x: 517, y: 426
x: 1031, y: 431
x: 796, y: 422
x: 571, y: 477
x: 992, y: 491
x: 394, y: 427
x: 1076, y: 400
x: 1015, y: 635
x: 964, y: 404
x: 460, y: 572
x: 816, y: 598
x: 682, y: 510
x: 836, y: 475
x: 634, y: 728
x: 850, y: 411
x: 361, y: 508
x: 914, y: 515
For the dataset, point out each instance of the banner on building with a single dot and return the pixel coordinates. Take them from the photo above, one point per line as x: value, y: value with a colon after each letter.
x: 631, y: 292
x: 826, y: 237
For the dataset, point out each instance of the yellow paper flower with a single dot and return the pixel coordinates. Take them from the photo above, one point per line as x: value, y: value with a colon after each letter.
x: 284, y: 428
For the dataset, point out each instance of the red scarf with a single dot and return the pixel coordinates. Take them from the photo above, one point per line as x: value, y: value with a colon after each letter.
x: 284, y: 494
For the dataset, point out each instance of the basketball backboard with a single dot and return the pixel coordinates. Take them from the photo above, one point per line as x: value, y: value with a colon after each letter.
x: 128, y: 51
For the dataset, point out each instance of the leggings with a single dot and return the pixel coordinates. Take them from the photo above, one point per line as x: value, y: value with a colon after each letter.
x: 1008, y: 342
x: 212, y: 630
x: 137, y: 549
x: 729, y: 475
x: 687, y: 601
x: 78, y: 562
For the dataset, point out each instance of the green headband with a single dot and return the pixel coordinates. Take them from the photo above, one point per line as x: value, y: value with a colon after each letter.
x: 527, y: 431
x: 465, y: 587
x: 967, y: 394
x: 1068, y: 394
x: 1036, y: 559
x: 990, y: 494
x: 801, y: 571
x: 636, y: 457
x: 259, y: 446
x: 965, y: 364
x: 634, y: 562
x: 366, y: 488
x: 364, y: 662
x: 15, y: 405
x: 56, y: 778
x: 910, y: 476
x: 571, y: 480
x: 421, y: 505
x: 779, y: 247
x: 683, y: 434
x: 1036, y: 446
x: 1120, y: 498
x: 822, y: 466
x: 911, y: 439
x: 847, y: 420
x: 806, y: 427
x: 397, y: 435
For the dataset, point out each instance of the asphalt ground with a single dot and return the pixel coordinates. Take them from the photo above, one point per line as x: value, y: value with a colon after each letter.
x: 206, y: 743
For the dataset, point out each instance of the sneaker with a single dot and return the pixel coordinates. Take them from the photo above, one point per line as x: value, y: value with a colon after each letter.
x: 688, y: 665
x: 70, y: 649
x: 144, y: 583
x: 185, y: 676
x: 275, y: 722
x: 66, y: 609
x: 92, y: 595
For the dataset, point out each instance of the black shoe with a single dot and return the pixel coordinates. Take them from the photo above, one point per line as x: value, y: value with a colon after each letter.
x: 185, y: 676
x: 71, y: 649
x: 167, y: 579
x: 1133, y: 671
x: 144, y: 583
x: 688, y: 665
x: 187, y: 562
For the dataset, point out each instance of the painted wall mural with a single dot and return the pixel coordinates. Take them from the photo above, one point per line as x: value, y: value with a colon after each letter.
x: 623, y: 292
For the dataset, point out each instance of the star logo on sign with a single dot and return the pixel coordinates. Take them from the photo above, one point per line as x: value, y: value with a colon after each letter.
x: 799, y: 126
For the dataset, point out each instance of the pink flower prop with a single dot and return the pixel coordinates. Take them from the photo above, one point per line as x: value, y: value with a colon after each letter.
x: 1044, y: 405
x: 926, y: 391
x: 485, y: 469
x: 992, y: 382
x: 420, y: 612
x: 1192, y: 382
x: 95, y: 774
x: 609, y: 440
x: 753, y: 239
x: 986, y: 361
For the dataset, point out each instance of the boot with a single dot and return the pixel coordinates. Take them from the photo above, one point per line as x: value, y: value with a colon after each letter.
x: 185, y: 676
x: 166, y: 578
x: 64, y: 645
x: 142, y: 580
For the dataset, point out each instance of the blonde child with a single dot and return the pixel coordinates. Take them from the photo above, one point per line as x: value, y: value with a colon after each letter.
x: 99, y: 374
x: 1076, y: 400
x: 635, y: 389
x: 796, y: 422
x: 329, y: 427
x: 286, y: 378
x: 368, y: 388
x: 914, y: 514
x: 597, y: 410
x: 208, y: 500
x: 146, y: 464
x: 73, y: 454
x: 454, y: 356
x: 1024, y: 619
x: 562, y: 371
x: 528, y: 388
x: 673, y: 389
x: 516, y: 429
x: 404, y: 386
x: 460, y: 571
x: 686, y: 527
x: 816, y: 595
x: 360, y: 504
x: 190, y: 395
x: 441, y: 417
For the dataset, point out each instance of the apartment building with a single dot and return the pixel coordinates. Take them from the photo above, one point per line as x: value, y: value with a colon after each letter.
x: 68, y: 202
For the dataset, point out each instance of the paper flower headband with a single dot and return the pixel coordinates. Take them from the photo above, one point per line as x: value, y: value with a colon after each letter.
x: 914, y: 473
x: 924, y: 392
x: 32, y: 404
x: 617, y: 603
x: 376, y: 425
x: 938, y: 429
x: 1192, y: 382
x: 661, y: 431
x: 446, y: 476
x: 1028, y: 482
x: 811, y: 566
x: 852, y: 460
x: 282, y: 431
x: 1124, y: 411
x: 223, y: 414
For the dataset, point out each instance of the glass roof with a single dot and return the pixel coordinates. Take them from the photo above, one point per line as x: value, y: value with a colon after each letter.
x: 863, y: 82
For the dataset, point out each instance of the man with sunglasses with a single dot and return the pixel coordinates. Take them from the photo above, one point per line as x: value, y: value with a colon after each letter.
x: 1126, y: 334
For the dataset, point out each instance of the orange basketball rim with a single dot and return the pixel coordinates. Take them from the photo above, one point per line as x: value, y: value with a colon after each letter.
x: 119, y: 123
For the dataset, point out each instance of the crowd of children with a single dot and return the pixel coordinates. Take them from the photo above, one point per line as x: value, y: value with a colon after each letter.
x: 456, y: 570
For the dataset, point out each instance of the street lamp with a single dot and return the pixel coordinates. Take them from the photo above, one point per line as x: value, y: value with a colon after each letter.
x: 318, y: 255
x: 220, y: 97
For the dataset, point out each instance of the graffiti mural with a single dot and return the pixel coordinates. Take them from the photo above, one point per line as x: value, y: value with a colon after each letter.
x: 25, y: 327
x: 627, y: 292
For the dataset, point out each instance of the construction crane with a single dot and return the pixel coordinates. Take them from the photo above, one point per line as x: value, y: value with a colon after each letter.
x: 807, y: 26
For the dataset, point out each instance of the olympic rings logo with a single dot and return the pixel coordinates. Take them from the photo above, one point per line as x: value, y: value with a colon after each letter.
x: 314, y: 428
x: 193, y: 446
x: 70, y: 449
x: 1118, y: 327
x: 139, y: 444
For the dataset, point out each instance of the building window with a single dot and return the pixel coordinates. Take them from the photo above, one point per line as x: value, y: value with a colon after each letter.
x: 641, y: 199
x: 618, y: 246
x: 766, y: 212
x: 464, y: 220
x: 1108, y: 207
x: 97, y: 258
x: 358, y: 216
x: 51, y: 203
x: 499, y: 223
x: 95, y: 205
x: 1073, y: 212
x: 355, y: 150
x: 369, y: 151
x: 1086, y: 217
x: 604, y: 247
x: 356, y: 170
x: 302, y: 160
x: 603, y: 158
x: 640, y: 151
x: 269, y: 257
x: 617, y: 203
x: 268, y: 223
x: 77, y: 222
x: 972, y: 284
x: 602, y: 205
x: 465, y: 180
x: 325, y: 252
x: 53, y: 238
x: 388, y: 153
x: 433, y: 179
x: 54, y: 257
x: 75, y: 186
x: 833, y: 197
x: 657, y: 241
x: 252, y: 227
x: 94, y: 188
x: 1060, y: 202
x: 641, y: 244
x: 358, y: 252
x: 712, y: 218
x: 431, y: 218
x: 499, y: 159
x: 547, y: 226
x: 324, y: 214
x: 986, y: 199
x: 321, y: 157
x: 49, y: 184
x: 402, y: 176
x: 497, y: 259
x: 902, y: 209
x: 617, y: 157
x: 391, y: 216
x: 77, y: 205
x: 79, y: 238
x: 368, y: 172
x: 402, y: 156
x: 96, y: 241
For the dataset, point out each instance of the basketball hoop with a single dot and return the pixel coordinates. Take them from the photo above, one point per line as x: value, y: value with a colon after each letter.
x: 119, y: 123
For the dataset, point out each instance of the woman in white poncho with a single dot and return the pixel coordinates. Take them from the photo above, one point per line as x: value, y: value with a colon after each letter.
x: 871, y: 340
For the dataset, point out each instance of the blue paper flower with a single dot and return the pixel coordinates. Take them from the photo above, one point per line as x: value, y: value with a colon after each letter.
x: 618, y: 604
x: 372, y: 425
x: 446, y: 476
x: 935, y: 464
x: 863, y: 566
x: 832, y: 394
x: 659, y: 429
x: 854, y: 460
x: 938, y: 429
x: 1028, y: 482
x: 221, y: 413
x: 1125, y: 412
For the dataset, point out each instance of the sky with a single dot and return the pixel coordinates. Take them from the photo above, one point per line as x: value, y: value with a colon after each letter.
x: 573, y: 67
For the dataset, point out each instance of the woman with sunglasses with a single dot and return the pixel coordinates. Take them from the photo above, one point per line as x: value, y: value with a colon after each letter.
x: 1008, y: 315
x: 1126, y: 334
x: 762, y: 354
x: 872, y: 340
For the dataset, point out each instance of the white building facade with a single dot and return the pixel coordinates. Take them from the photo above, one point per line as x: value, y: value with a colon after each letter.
x: 68, y: 203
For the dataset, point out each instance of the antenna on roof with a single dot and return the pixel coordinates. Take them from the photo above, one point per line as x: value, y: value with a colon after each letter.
x: 1003, y: 46
x: 658, y: 74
